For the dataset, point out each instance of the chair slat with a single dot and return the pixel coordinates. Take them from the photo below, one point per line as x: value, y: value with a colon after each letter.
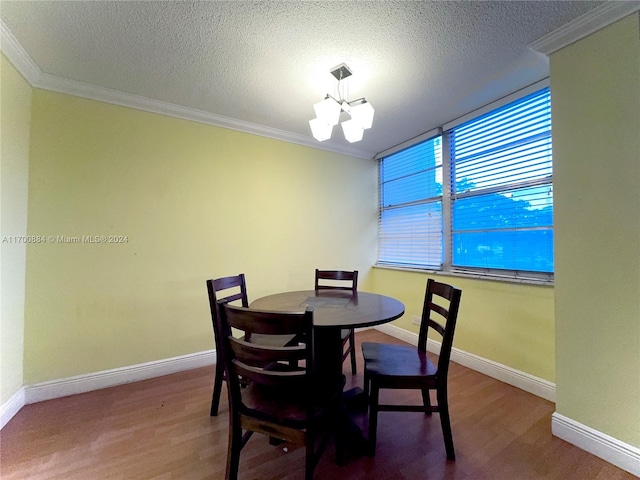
x: 257, y: 354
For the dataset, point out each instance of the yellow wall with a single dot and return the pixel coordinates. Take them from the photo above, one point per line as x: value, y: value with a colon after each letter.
x: 194, y: 202
x: 15, y: 118
x: 508, y: 323
x: 595, y: 90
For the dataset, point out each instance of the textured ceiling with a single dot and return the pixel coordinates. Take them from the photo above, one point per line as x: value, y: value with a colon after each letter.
x: 420, y: 64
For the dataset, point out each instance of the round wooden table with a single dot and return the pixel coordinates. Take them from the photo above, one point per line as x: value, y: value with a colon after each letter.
x: 334, y: 310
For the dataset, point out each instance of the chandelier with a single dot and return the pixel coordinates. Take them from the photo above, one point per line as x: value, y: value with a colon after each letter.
x: 328, y: 112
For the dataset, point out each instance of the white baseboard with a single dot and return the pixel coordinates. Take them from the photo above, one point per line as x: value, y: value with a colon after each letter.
x: 597, y: 443
x: 117, y: 376
x: 11, y: 407
x: 524, y: 381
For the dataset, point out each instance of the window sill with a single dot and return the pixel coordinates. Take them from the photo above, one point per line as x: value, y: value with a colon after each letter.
x: 471, y: 275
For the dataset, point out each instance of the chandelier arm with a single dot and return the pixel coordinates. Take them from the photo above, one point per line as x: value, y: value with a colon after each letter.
x: 360, y: 100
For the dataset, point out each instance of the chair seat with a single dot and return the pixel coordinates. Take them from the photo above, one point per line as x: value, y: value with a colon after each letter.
x: 397, y: 361
x: 288, y: 406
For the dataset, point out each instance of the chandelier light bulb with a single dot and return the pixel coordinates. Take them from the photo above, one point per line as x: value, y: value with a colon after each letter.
x: 328, y: 110
x: 320, y: 129
x: 353, y: 130
x: 363, y: 114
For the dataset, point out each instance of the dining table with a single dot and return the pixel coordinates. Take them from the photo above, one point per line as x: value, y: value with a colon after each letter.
x: 333, y: 311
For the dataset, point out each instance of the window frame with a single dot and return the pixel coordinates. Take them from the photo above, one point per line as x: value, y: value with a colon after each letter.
x: 512, y: 276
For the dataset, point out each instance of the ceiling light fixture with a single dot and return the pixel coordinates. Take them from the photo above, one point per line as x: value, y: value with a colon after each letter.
x: 328, y: 112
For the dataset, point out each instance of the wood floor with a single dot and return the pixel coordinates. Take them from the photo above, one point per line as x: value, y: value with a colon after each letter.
x: 161, y: 429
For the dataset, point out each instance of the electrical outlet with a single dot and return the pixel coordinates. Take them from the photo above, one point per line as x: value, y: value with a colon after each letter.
x: 415, y: 320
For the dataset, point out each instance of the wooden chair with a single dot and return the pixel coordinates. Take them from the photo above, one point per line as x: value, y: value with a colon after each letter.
x: 407, y: 367
x: 238, y: 294
x: 282, y: 400
x: 348, y: 334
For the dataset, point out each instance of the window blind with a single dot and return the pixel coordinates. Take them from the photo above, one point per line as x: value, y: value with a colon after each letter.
x: 410, y: 226
x: 502, y: 192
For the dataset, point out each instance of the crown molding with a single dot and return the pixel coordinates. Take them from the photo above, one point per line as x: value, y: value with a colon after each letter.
x: 590, y: 22
x: 18, y: 56
x: 36, y: 78
x: 138, y: 102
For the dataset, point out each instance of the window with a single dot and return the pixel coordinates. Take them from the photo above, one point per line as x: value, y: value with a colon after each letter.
x: 410, y: 226
x: 494, y: 214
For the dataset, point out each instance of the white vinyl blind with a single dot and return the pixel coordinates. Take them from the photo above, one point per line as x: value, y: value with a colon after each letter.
x: 410, y: 228
x: 493, y: 214
x: 502, y: 192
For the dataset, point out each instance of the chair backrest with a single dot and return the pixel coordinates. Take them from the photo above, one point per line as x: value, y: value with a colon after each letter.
x: 441, y: 301
x: 239, y: 293
x: 332, y: 276
x: 263, y: 363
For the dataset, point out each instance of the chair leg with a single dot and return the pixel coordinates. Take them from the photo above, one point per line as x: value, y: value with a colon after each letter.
x: 341, y: 420
x: 366, y: 383
x: 309, y: 461
x: 217, y: 388
x: 352, y: 347
x: 233, y: 452
x: 426, y: 401
x: 443, y: 408
x: 373, y: 417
